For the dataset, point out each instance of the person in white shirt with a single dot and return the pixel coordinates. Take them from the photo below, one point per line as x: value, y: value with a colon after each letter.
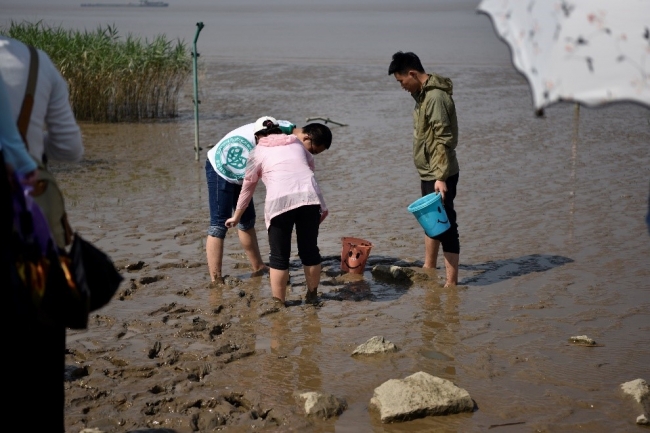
x: 52, y: 133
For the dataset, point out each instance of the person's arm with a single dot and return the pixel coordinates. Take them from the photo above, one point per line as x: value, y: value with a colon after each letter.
x: 13, y: 147
x: 310, y: 161
x: 443, y: 140
x: 63, y: 138
x: 245, y: 196
x: 252, y: 176
x: 310, y: 158
x: 443, y: 137
x: 234, y: 220
x: 324, y: 212
x: 323, y: 207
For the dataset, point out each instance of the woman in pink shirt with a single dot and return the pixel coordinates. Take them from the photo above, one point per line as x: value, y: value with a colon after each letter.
x: 285, y: 163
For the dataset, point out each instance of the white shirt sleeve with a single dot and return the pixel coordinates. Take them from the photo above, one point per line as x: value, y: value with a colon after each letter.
x: 63, y: 137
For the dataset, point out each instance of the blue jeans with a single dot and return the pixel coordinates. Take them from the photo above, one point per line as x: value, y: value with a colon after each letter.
x: 223, y: 196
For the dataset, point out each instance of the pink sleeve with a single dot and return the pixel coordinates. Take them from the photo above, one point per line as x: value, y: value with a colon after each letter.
x: 252, y: 176
x: 323, y: 206
x: 247, y: 190
x: 310, y: 160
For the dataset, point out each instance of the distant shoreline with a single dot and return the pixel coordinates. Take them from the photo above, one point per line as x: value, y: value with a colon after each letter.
x: 142, y: 3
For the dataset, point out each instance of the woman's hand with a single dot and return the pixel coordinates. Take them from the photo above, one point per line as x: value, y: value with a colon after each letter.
x: 323, y: 215
x: 232, y: 222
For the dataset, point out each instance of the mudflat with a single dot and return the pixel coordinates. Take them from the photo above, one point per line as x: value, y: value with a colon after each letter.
x: 551, y: 213
x: 553, y: 245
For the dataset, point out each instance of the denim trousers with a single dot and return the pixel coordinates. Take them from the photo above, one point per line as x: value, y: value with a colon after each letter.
x: 223, y: 196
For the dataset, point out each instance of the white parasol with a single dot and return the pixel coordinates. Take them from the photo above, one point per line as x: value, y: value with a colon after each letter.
x: 590, y: 52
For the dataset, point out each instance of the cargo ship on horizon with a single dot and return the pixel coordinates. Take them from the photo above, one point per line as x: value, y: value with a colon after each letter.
x: 142, y: 3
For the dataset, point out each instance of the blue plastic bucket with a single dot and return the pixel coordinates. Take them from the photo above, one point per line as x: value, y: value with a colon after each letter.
x: 430, y: 213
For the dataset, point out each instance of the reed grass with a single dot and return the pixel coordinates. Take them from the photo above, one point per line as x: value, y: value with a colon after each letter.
x: 112, y: 79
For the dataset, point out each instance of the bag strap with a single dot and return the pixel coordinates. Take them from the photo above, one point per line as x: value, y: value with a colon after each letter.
x: 28, y: 100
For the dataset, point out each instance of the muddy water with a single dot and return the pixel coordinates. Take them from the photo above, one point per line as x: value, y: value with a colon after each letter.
x: 551, y: 214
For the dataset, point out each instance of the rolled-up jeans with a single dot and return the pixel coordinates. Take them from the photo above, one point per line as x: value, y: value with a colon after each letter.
x: 222, y: 197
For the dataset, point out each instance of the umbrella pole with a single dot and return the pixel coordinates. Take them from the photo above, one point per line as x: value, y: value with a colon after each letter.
x: 574, y: 155
x: 576, y: 136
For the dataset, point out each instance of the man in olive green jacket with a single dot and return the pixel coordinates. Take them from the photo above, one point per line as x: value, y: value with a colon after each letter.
x: 435, y: 136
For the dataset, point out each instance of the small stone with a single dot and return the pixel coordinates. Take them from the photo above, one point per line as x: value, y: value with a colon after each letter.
x: 375, y: 345
x: 320, y: 404
x: 395, y: 273
x: 642, y: 420
x: 582, y: 340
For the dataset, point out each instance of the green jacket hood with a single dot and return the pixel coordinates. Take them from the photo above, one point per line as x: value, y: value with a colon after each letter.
x: 436, y: 82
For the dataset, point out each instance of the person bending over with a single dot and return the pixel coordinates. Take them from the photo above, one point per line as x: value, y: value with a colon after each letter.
x: 285, y: 164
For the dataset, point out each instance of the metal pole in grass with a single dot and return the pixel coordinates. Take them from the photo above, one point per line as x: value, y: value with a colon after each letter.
x: 195, y: 55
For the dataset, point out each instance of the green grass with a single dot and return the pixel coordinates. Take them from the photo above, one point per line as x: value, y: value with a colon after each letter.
x: 112, y: 79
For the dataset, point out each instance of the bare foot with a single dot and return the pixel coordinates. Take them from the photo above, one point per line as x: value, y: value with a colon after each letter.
x: 260, y: 272
x: 448, y: 285
x: 218, y: 281
x: 430, y: 271
x: 311, y: 297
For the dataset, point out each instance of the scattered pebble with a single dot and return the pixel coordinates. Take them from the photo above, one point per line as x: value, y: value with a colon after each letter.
x: 582, y: 340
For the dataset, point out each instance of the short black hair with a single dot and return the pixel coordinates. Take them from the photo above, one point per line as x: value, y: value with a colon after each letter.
x: 402, y: 63
x: 320, y: 134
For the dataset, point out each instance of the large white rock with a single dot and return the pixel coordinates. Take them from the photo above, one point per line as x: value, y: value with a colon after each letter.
x: 376, y: 344
x: 321, y: 405
x: 638, y: 389
x: 417, y: 396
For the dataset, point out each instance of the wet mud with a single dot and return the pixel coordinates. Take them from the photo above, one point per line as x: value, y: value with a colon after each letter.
x: 553, y: 245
